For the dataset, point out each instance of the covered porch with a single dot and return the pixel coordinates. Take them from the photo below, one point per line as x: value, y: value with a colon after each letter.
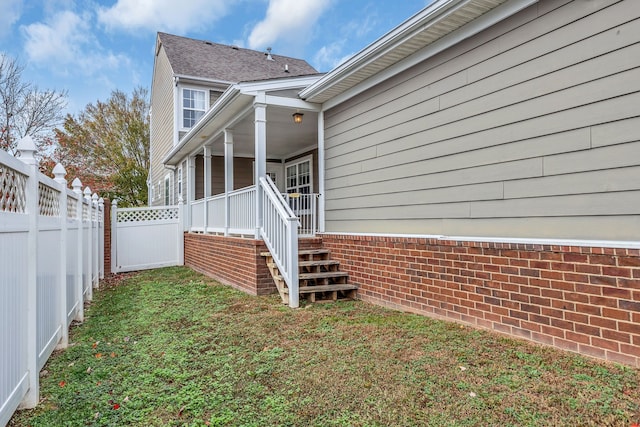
x: 249, y: 169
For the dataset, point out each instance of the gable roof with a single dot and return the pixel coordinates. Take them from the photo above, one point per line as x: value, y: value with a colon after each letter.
x: 231, y: 64
x: 438, y: 26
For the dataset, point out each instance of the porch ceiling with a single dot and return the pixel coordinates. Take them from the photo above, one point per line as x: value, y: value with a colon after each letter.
x: 284, y: 137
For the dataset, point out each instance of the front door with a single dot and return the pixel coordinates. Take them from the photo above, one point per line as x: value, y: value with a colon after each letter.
x: 299, y: 176
x: 299, y: 189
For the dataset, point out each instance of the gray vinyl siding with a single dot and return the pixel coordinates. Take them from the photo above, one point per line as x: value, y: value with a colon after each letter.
x: 528, y: 129
x: 161, y: 121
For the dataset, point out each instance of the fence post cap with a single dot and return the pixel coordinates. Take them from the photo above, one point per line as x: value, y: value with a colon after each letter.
x: 77, y: 185
x: 94, y: 197
x: 114, y: 203
x: 180, y: 200
x: 101, y: 201
x: 59, y: 172
x: 87, y: 192
x: 27, y: 148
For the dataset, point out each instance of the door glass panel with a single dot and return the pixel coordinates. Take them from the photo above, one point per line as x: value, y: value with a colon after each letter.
x: 299, y: 183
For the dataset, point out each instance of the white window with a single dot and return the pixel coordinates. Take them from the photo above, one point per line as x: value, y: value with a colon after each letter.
x: 194, y: 105
x: 180, y: 181
x: 167, y: 190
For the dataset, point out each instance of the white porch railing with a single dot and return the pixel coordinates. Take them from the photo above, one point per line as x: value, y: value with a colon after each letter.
x: 197, y: 216
x: 242, y: 208
x: 280, y: 233
x: 50, y: 260
x: 305, y: 207
x: 240, y: 218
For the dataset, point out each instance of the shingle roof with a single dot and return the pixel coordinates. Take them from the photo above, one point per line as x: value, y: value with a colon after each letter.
x: 215, y: 61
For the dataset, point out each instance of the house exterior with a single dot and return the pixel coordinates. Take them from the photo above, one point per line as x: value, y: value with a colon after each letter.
x: 479, y: 163
x: 188, y: 77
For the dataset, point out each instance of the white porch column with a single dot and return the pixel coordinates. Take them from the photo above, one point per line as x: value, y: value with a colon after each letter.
x: 207, y: 183
x: 260, y: 116
x: 321, y: 171
x: 228, y: 176
x: 191, y: 188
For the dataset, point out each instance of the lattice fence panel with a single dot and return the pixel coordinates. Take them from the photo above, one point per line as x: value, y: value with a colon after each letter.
x: 72, y: 207
x: 147, y: 215
x: 48, y: 200
x: 13, y: 190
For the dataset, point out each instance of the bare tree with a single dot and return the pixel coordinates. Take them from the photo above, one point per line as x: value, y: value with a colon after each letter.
x: 24, y: 108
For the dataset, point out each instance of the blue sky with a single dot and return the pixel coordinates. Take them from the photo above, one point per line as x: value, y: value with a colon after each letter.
x: 90, y: 48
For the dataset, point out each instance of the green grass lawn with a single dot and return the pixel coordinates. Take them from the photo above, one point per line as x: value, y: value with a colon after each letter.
x: 172, y: 347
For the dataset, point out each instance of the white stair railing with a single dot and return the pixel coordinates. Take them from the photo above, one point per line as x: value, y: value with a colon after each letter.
x: 280, y: 233
x: 305, y: 207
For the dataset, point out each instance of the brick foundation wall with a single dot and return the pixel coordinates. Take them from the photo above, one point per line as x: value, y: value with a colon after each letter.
x: 581, y: 299
x: 232, y: 261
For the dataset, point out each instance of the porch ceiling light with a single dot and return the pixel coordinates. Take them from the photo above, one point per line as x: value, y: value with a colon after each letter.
x: 297, y: 118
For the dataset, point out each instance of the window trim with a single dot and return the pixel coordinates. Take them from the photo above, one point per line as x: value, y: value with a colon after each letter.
x: 167, y: 190
x: 182, y: 108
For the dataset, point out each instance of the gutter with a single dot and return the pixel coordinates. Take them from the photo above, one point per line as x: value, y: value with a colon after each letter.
x: 416, y: 23
x: 178, y: 77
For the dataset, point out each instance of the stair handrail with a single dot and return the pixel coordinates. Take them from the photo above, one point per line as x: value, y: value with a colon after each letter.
x: 280, y: 234
x: 277, y: 195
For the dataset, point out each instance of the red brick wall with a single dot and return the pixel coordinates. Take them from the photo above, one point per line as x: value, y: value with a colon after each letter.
x: 233, y: 261
x: 581, y: 299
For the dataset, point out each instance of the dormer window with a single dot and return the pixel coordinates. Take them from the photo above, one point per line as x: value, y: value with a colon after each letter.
x: 194, y: 105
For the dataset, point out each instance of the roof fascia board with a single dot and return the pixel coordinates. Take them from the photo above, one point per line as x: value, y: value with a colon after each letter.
x: 281, y: 101
x: 277, y: 84
x: 416, y: 23
x: 474, y: 27
x: 179, y: 77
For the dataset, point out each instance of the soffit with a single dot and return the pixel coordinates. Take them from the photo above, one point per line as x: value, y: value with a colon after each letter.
x: 424, y: 32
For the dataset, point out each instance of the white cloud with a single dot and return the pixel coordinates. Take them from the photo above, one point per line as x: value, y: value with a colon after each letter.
x: 289, y: 19
x: 162, y: 15
x: 66, y: 42
x: 349, y: 35
x: 10, y: 11
x: 330, y: 56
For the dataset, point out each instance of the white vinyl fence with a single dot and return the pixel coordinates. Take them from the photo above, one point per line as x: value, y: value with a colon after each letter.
x: 51, y: 258
x: 146, y: 238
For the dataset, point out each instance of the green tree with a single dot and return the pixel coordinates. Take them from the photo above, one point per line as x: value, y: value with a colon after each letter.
x: 107, y: 147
